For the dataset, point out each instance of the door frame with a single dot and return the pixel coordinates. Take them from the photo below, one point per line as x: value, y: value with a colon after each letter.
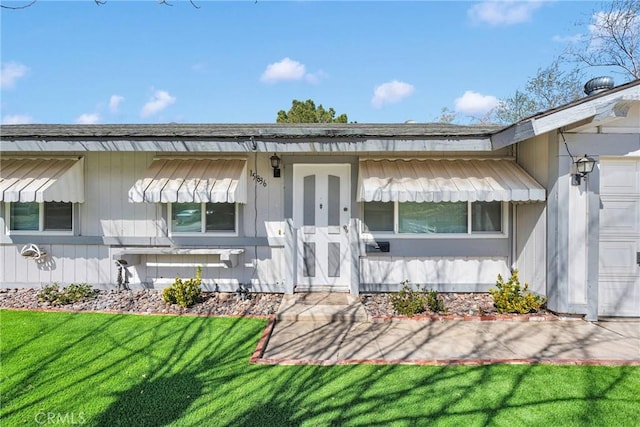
x: 327, y: 233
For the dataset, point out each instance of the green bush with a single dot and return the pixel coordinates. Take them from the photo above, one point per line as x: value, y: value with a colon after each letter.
x: 511, y: 298
x: 186, y: 292
x: 71, y: 294
x: 407, y: 301
x: 434, y: 303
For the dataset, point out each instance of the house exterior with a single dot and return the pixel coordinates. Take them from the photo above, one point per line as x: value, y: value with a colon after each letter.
x: 342, y: 207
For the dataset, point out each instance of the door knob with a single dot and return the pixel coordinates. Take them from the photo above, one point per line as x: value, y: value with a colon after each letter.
x: 345, y: 228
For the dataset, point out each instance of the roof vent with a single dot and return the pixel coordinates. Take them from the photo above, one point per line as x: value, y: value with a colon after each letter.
x: 597, y: 85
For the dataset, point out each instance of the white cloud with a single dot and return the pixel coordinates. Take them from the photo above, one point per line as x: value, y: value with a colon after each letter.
x: 10, y: 73
x: 576, y: 38
x: 391, y: 92
x: 114, y: 103
x: 88, y: 119
x: 506, y: 12
x: 287, y: 69
x: 474, y: 103
x: 17, y: 119
x: 158, y: 102
x: 314, y: 78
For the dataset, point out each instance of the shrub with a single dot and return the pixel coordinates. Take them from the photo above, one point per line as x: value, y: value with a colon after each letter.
x: 71, y: 294
x: 511, y: 298
x: 407, y: 301
x: 185, y: 292
x: 434, y: 303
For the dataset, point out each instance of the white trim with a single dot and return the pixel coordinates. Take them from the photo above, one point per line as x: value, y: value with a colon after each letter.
x: 373, y: 235
x: 203, y: 226
x: 40, y: 231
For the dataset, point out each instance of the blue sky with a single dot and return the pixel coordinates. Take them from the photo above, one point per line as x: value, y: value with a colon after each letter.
x: 242, y: 61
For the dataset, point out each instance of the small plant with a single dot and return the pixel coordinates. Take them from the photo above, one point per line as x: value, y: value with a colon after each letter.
x: 511, y: 298
x: 185, y: 292
x: 407, y: 301
x: 71, y: 294
x: 434, y: 303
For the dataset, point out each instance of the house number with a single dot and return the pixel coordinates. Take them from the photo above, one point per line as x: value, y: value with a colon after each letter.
x: 257, y: 178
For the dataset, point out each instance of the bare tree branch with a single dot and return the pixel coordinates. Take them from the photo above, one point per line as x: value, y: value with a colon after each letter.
x: 18, y: 7
x: 97, y: 2
x: 614, y: 39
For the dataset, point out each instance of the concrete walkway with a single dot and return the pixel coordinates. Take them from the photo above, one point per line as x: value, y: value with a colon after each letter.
x: 330, y: 329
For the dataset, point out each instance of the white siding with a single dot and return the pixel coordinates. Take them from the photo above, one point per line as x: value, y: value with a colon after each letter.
x: 442, y: 274
x: 530, y: 219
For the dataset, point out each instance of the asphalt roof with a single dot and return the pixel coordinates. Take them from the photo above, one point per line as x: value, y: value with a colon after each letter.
x: 236, y: 131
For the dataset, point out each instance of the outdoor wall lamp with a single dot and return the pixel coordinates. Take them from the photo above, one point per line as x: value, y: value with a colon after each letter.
x: 584, y: 166
x: 275, y: 164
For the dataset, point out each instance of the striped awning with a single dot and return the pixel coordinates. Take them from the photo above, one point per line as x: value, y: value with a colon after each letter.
x: 441, y: 180
x: 192, y: 181
x: 42, y: 180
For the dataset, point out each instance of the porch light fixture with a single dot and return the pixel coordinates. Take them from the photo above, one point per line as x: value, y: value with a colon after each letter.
x: 275, y: 164
x: 584, y: 166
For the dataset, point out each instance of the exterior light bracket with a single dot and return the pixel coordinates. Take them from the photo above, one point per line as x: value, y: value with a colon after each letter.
x: 275, y: 164
x: 584, y: 166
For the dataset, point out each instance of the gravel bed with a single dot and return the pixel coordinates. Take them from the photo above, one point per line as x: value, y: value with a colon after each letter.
x: 456, y: 304
x: 229, y: 304
x: 150, y: 301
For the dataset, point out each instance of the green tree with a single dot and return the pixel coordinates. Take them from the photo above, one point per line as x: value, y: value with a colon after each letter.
x: 550, y: 87
x: 307, y: 112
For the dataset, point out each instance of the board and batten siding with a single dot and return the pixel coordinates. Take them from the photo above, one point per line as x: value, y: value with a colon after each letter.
x: 530, y: 219
x: 443, y: 274
x: 107, y: 222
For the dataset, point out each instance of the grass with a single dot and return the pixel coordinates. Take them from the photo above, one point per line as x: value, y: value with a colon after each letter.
x: 127, y: 370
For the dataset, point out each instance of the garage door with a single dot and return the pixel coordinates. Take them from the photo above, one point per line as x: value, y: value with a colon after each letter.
x: 619, y: 287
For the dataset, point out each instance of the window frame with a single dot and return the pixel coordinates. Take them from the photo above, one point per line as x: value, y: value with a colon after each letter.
x: 41, y: 221
x: 203, y: 224
x: 504, y: 233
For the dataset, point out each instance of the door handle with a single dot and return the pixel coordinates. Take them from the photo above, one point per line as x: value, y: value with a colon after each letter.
x: 638, y: 258
x: 346, y: 229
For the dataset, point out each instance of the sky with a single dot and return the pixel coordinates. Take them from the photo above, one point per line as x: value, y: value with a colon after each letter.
x: 243, y: 61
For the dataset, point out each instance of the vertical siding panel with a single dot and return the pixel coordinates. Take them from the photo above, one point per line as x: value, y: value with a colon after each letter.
x: 92, y: 265
x: 10, y: 264
x: 105, y: 213
x: 123, y: 171
x: 117, y: 213
x: 56, y: 263
x: 80, y: 264
x: 104, y: 266
x: 68, y: 264
x: 45, y: 268
x: 91, y: 213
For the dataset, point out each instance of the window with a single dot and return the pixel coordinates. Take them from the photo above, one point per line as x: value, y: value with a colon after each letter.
x: 48, y: 216
x: 434, y: 218
x: 203, y: 217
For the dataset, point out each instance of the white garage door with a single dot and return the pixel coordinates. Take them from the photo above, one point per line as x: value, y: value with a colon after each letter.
x: 619, y: 288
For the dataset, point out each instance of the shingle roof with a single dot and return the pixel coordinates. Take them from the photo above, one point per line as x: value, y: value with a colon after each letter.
x: 237, y: 131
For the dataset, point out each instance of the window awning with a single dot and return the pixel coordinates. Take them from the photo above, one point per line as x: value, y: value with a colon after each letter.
x: 441, y: 180
x: 192, y: 181
x: 42, y: 180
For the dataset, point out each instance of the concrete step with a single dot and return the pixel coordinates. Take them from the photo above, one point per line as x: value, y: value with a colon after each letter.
x: 321, y: 307
x: 321, y: 289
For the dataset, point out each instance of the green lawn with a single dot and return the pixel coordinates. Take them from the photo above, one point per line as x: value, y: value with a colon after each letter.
x: 110, y: 370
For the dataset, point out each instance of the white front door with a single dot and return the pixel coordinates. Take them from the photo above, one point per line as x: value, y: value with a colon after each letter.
x: 619, y: 289
x: 321, y: 213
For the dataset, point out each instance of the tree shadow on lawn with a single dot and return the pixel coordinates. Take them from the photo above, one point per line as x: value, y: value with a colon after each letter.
x: 195, y: 371
x: 157, y: 402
